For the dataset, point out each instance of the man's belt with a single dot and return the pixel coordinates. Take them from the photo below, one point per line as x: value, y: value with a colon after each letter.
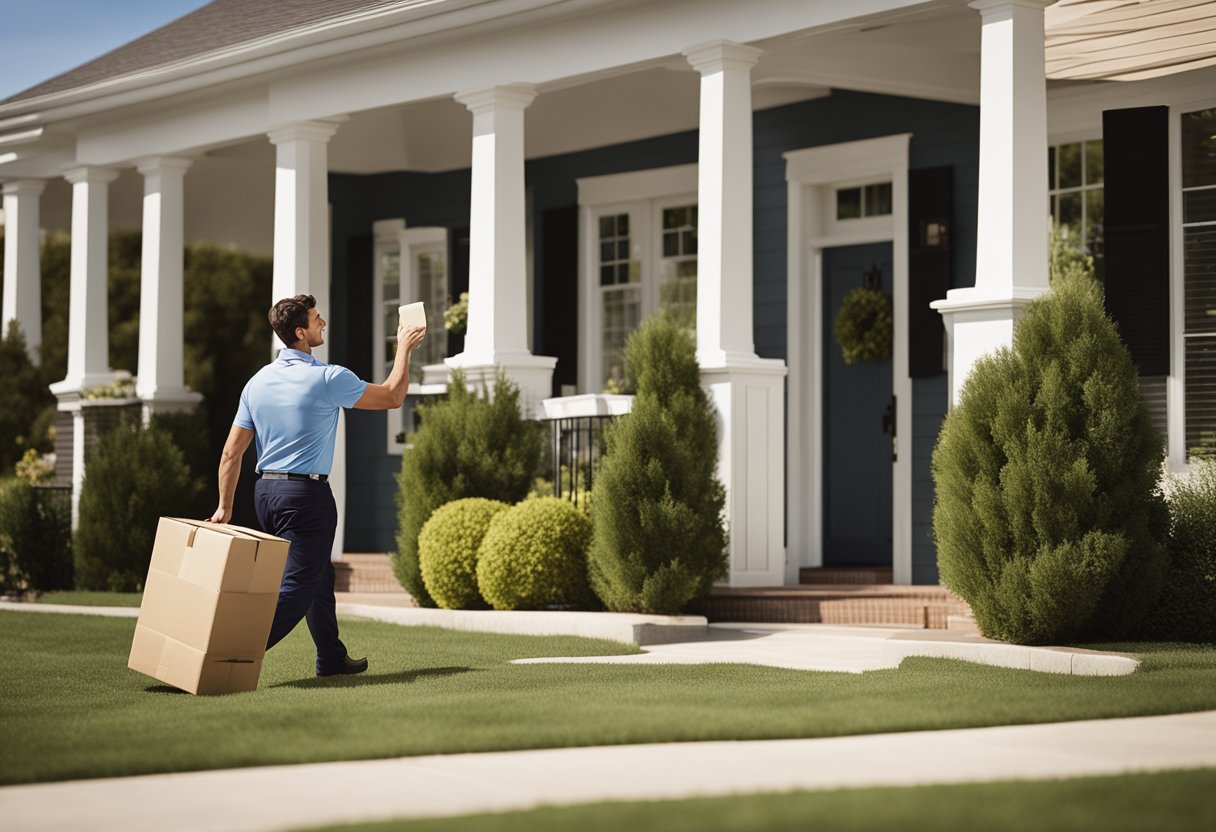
x: 288, y: 475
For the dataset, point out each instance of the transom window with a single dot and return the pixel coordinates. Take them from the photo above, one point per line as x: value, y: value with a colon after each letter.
x: 1074, y: 185
x: 861, y: 201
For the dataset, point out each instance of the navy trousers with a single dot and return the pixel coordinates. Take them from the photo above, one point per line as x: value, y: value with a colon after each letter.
x: 304, y: 512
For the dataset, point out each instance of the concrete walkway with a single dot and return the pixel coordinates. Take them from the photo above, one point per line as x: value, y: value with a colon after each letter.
x: 689, y: 639
x: 286, y: 797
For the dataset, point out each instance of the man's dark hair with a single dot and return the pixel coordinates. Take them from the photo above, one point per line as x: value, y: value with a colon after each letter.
x: 290, y: 314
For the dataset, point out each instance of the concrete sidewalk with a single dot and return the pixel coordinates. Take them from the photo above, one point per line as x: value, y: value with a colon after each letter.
x: 285, y: 797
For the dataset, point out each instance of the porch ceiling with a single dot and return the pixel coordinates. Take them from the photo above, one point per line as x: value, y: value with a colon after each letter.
x: 1129, y: 40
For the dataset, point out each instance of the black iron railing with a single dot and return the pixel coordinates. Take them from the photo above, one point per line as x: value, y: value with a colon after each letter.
x: 577, y: 444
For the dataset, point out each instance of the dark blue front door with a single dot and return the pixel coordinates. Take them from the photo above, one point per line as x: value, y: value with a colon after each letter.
x: 857, y: 448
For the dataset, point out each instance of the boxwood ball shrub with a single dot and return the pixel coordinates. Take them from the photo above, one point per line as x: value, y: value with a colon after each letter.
x: 467, y: 445
x: 134, y: 477
x: 535, y: 555
x: 447, y: 550
x: 659, y: 541
x: 1048, y: 519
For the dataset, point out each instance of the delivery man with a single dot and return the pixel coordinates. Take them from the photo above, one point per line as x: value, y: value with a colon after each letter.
x: 291, y: 405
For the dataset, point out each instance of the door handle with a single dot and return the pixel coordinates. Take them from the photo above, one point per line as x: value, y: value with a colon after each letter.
x: 889, y: 426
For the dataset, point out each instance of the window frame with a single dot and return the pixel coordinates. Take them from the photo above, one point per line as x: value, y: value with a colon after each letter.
x: 643, y: 195
x: 1054, y: 191
x: 393, y: 236
x: 1177, y: 456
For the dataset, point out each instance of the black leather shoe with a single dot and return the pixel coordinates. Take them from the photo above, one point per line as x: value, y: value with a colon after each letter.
x: 349, y: 665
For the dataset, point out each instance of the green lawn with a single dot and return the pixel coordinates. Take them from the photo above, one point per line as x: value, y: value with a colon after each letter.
x: 1180, y: 801
x: 84, y: 598
x: 69, y: 707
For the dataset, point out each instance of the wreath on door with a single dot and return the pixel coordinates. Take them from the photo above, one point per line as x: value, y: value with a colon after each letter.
x: 864, y: 325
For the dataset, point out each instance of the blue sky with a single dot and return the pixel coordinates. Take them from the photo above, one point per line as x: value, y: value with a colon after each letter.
x: 39, y: 39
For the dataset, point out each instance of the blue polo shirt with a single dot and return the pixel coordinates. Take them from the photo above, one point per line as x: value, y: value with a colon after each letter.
x: 292, y: 406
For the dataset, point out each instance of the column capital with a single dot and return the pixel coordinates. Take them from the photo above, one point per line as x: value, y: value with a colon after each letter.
x: 508, y: 96
x: 317, y: 131
x: 718, y: 55
x: 24, y: 187
x: 987, y: 7
x: 152, y: 165
x: 91, y: 175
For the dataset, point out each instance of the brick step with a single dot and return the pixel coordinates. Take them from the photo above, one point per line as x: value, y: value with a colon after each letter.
x: 929, y: 607
x: 845, y: 575
x: 361, y: 572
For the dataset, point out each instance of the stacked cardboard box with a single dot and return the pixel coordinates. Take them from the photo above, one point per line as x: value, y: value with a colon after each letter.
x: 208, y: 605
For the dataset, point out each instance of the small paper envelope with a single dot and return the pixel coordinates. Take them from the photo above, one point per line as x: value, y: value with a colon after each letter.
x: 412, y: 314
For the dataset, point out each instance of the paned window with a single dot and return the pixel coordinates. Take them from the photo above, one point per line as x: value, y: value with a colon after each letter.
x: 647, y: 261
x: 860, y: 201
x: 1198, y: 135
x: 1074, y: 184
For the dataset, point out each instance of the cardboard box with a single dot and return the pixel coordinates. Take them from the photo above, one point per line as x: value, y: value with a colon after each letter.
x: 412, y: 314
x: 208, y: 605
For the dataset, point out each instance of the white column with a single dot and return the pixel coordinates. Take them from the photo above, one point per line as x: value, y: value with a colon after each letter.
x: 497, y: 334
x: 22, y: 271
x: 88, y: 334
x: 161, y: 383
x: 301, y: 252
x: 747, y: 390
x: 301, y: 214
x: 1012, y: 239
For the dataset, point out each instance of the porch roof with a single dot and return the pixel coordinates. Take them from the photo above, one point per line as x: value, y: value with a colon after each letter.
x: 222, y: 24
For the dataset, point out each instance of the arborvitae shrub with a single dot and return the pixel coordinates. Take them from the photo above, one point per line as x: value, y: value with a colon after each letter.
x: 535, y: 555
x: 23, y: 397
x: 35, y: 537
x: 466, y: 446
x: 134, y: 477
x: 1048, y: 519
x: 1187, y: 609
x: 447, y: 551
x: 659, y: 541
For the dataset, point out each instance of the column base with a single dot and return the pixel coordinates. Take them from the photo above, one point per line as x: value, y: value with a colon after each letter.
x: 750, y: 399
x: 533, y: 374
x: 978, y: 322
x: 179, y: 400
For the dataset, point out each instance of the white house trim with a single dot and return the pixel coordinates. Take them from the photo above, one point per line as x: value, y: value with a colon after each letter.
x: 810, y: 174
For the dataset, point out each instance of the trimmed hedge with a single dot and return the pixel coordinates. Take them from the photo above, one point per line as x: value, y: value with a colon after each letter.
x: 1048, y: 520
x: 535, y: 555
x: 135, y: 476
x: 35, y: 537
x: 447, y: 550
x: 467, y: 446
x: 1187, y: 610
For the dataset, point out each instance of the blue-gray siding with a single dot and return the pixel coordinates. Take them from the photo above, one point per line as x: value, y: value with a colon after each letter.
x: 942, y: 134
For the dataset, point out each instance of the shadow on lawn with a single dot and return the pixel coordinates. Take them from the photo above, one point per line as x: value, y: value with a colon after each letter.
x: 403, y: 677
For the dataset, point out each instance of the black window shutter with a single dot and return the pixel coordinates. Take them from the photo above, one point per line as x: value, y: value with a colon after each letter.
x: 1136, y: 195
x: 930, y: 222
x: 559, y: 293
x: 360, y: 304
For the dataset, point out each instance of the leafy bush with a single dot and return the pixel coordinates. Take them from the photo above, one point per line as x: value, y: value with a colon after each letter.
x: 135, y: 476
x: 466, y: 446
x: 535, y: 555
x: 23, y: 398
x: 1048, y: 520
x: 447, y: 550
x: 1187, y: 610
x: 35, y: 537
x: 659, y: 540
